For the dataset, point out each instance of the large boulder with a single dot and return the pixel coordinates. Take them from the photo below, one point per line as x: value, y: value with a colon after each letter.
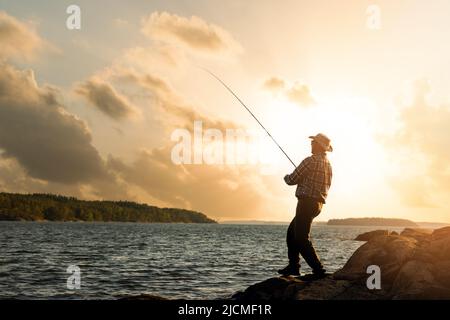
x: 323, y: 289
x: 441, y: 272
x: 417, y: 233
x: 441, y: 233
x: 413, y: 280
x: 387, y: 252
x: 366, y: 236
x: 435, y: 248
x: 281, y: 288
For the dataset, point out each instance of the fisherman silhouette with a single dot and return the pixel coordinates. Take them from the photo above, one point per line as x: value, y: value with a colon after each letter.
x: 313, y: 179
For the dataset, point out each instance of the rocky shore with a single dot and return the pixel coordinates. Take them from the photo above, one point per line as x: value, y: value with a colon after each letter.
x: 414, y: 264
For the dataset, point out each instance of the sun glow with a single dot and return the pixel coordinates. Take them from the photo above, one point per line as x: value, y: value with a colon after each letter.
x: 351, y: 125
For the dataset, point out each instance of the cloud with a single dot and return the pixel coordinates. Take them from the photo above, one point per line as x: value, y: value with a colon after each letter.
x: 297, y: 93
x: 420, y: 145
x: 300, y: 94
x: 152, y: 56
x: 46, y: 140
x: 17, y: 39
x: 216, y: 190
x: 121, y: 23
x: 274, y: 84
x: 13, y: 177
x: 104, y: 97
x: 193, y: 33
x: 413, y: 190
x: 164, y: 96
x: 44, y: 148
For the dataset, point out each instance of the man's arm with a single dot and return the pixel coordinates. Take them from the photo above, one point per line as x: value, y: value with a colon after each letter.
x: 298, y: 174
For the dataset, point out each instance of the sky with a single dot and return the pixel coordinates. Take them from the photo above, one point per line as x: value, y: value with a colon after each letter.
x: 107, y: 110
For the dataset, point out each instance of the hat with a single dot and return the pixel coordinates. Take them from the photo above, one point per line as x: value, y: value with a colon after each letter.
x: 323, y: 140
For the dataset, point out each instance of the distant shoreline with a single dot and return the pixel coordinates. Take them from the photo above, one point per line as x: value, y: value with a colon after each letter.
x: 388, y: 222
x: 50, y: 207
x: 356, y: 222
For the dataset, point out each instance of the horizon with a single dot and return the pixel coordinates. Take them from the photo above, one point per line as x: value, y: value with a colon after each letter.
x: 238, y: 220
x: 323, y: 221
x: 114, y: 105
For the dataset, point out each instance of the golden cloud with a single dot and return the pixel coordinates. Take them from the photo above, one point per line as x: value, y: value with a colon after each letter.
x: 220, y: 191
x: 105, y: 98
x: 274, y: 84
x: 421, y: 146
x: 297, y: 93
x: 36, y: 130
x: 17, y: 39
x: 193, y: 33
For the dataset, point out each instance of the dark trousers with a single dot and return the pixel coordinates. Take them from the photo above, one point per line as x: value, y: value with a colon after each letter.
x: 298, y: 241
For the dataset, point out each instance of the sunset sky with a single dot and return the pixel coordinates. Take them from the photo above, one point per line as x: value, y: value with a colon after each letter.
x: 90, y: 112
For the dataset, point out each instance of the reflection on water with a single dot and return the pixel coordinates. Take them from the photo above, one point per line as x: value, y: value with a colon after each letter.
x: 192, y: 261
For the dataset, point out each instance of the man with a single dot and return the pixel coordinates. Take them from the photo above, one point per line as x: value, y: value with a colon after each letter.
x: 313, y: 179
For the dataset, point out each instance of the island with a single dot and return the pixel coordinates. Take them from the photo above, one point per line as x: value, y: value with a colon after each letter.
x: 372, y: 222
x: 51, y: 207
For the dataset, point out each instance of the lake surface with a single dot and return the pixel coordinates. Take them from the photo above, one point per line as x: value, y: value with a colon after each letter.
x: 192, y: 261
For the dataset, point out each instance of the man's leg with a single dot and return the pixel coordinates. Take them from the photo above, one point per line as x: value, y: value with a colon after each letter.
x: 307, y: 210
x: 293, y: 250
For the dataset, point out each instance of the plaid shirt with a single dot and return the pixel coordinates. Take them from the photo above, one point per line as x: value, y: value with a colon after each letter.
x: 312, y: 177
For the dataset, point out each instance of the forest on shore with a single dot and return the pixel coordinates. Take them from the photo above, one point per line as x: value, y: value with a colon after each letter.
x: 50, y: 207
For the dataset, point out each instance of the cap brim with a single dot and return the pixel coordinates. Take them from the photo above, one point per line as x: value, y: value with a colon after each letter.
x: 311, y: 137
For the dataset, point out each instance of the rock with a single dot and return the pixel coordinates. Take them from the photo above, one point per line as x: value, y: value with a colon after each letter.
x: 441, y: 272
x: 441, y: 233
x: 291, y: 288
x: 438, y: 249
x: 387, y: 252
x: 371, y: 234
x: 148, y: 297
x: 418, y: 280
x: 412, y: 280
x: 417, y: 233
x: 281, y: 288
x: 413, y: 265
x: 323, y: 289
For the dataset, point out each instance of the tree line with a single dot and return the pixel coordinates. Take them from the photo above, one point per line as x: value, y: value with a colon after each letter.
x: 51, y: 207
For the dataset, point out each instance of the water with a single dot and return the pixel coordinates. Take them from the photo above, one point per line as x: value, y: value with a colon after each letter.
x: 192, y: 261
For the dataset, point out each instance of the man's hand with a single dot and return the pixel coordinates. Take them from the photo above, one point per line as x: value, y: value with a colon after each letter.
x: 286, y: 177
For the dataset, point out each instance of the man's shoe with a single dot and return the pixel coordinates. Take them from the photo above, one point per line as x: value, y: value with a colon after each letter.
x: 319, y: 274
x: 290, y: 271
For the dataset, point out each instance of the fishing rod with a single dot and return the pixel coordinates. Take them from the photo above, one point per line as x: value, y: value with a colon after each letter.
x: 243, y: 104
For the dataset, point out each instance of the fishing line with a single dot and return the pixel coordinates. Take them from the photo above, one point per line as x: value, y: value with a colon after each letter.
x: 254, y: 117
